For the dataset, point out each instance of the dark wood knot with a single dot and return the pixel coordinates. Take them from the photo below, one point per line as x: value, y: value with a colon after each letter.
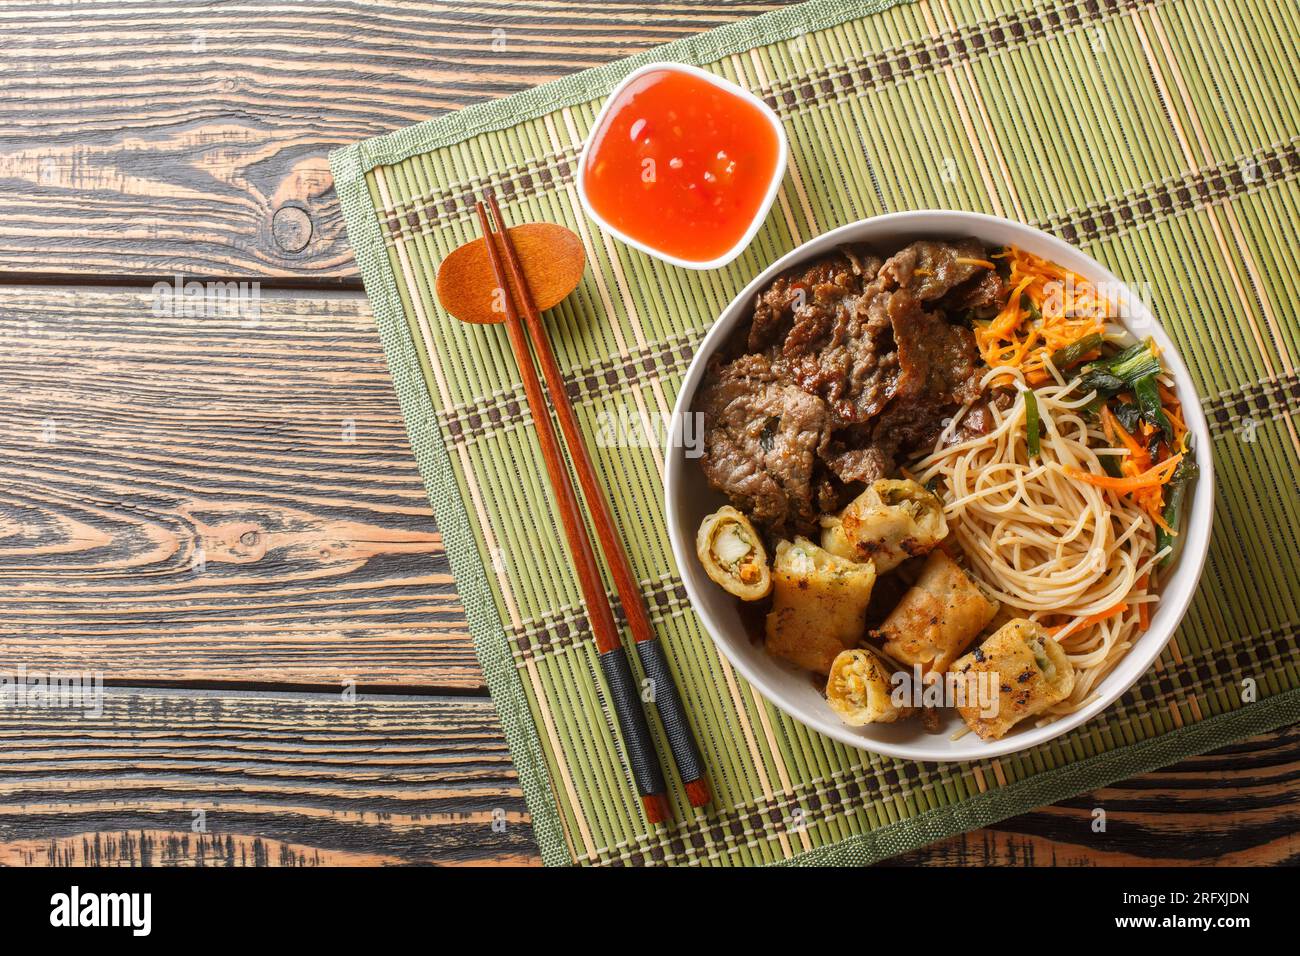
x: 291, y: 227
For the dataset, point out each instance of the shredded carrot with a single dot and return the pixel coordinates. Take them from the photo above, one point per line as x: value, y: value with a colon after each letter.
x: 1174, y: 412
x: 1138, y: 463
x: 1180, y: 428
x: 1157, y: 513
x: 1092, y: 619
x: 1109, y: 424
x: 966, y: 261
x: 1151, y: 478
x: 1119, y: 608
x: 1144, y: 609
x: 1067, y: 306
x: 1115, y: 433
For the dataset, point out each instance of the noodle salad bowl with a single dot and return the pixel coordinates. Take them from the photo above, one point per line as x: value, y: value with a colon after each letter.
x: 690, y: 499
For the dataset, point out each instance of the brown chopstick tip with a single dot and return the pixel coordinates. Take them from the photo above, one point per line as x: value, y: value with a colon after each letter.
x: 490, y: 198
x: 697, y: 792
x: 656, y: 807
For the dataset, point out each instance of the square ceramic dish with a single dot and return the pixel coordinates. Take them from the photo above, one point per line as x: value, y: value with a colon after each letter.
x: 760, y: 214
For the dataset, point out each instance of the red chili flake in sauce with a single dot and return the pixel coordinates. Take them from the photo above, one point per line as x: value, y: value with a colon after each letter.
x: 681, y: 165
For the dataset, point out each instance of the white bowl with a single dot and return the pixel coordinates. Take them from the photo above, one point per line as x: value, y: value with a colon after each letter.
x: 689, y: 498
x: 778, y: 173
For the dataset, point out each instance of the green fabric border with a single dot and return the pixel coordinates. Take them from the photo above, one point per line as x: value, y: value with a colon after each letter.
x: 350, y: 165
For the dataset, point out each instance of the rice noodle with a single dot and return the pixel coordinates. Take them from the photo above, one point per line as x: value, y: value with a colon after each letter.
x: 1050, y: 548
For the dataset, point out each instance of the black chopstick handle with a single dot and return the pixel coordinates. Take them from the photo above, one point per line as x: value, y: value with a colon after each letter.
x: 668, y: 701
x: 641, y: 756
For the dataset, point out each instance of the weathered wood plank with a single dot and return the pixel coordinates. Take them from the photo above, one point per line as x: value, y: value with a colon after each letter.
x: 166, y: 777
x: 192, y: 137
x: 1238, y: 806
x: 312, y: 779
x: 133, y: 437
x: 214, y: 498
x: 133, y: 441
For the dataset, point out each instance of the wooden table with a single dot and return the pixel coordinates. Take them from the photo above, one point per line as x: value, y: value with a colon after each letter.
x: 225, y: 518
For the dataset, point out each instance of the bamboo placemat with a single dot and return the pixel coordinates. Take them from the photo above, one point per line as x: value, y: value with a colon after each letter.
x: 1161, y: 135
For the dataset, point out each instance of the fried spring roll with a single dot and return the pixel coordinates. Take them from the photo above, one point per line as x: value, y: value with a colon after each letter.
x: 819, y: 604
x: 887, y: 524
x: 859, y: 689
x: 733, y: 554
x: 937, y: 618
x: 1029, y: 673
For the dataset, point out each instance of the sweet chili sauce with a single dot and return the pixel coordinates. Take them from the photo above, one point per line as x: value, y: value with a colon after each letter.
x: 681, y: 165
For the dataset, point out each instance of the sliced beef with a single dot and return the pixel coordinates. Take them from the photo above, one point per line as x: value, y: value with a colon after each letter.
x: 974, y: 424
x: 930, y: 269
x: 762, y: 437
x: 854, y: 455
x: 852, y: 365
x: 852, y: 361
x: 979, y: 420
x: 866, y: 264
x: 867, y: 453
x: 860, y: 351
x: 808, y: 297
x: 936, y: 358
x: 983, y: 295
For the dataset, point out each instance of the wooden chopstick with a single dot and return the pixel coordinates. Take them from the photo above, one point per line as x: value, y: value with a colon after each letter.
x: 667, y: 700
x: 637, y: 739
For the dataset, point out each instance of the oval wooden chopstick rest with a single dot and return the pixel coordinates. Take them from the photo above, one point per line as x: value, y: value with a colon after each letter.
x: 553, y: 261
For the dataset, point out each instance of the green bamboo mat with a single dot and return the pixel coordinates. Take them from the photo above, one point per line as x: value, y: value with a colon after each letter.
x: 1161, y: 135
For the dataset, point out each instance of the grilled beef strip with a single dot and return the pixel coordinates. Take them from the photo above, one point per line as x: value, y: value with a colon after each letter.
x: 851, y: 361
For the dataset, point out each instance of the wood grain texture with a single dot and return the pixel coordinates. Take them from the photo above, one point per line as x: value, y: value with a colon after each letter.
x: 139, y: 140
x: 133, y: 437
x: 312, y: 779
x: 192, y: 137
x: 273, y: 779
x: 214, y: 498
x: 1237, y: 806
